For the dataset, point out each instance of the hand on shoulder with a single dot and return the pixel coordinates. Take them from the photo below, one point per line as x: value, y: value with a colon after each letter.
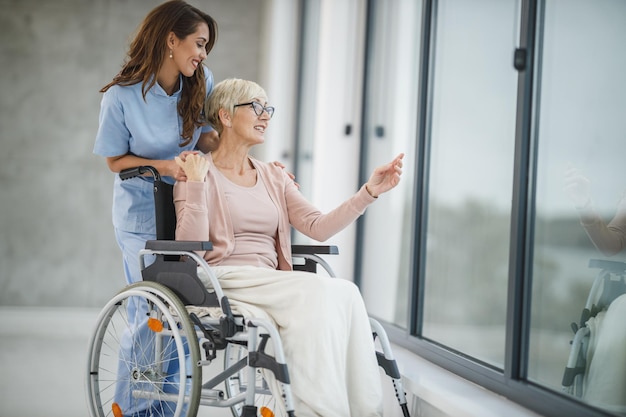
x: 289, y: 174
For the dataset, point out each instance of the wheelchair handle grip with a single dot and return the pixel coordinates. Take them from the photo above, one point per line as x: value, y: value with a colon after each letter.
x: 129, y: 173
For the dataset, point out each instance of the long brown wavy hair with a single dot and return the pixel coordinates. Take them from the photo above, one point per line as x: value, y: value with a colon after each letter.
x: 147, y: 52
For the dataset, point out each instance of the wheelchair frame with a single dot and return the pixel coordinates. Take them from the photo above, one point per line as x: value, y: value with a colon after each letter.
x: 179, y: 339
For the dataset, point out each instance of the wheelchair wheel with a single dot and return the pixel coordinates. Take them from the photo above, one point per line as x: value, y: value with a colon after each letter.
x: 267, y: 405
x: 141, y: 359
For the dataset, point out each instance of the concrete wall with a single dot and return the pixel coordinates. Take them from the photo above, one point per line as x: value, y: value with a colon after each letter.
x: 56, y: 240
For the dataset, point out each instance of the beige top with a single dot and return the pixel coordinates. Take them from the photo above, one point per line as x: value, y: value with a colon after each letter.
x: 255, y: 224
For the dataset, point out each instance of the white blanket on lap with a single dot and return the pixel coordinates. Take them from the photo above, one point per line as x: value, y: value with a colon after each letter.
x: 605, y: 377
x: 325, y: 332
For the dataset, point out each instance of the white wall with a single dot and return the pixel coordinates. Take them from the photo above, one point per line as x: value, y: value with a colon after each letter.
x: 278, y: 72
x: 337, y: 104
x: 57, y: 246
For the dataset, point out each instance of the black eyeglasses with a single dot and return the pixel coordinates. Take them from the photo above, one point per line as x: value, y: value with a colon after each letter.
x: 258, y: 108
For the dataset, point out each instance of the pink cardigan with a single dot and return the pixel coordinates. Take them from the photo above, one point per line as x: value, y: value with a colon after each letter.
x: 202, y: 213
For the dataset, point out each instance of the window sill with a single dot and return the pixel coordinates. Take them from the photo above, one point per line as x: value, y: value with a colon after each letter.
x: 434, y: 391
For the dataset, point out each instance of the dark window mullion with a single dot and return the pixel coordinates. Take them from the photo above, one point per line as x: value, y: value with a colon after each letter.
x: 365, y: 111
x: 518, y: 300
x: 421, y: 175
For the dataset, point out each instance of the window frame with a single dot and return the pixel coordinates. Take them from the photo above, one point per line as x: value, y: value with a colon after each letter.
x: 511, y: 382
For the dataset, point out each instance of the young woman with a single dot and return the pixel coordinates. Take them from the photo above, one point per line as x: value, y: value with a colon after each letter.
x: 151, y: 112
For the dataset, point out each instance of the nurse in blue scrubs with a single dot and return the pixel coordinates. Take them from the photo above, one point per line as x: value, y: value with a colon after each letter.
x: 151, y: 112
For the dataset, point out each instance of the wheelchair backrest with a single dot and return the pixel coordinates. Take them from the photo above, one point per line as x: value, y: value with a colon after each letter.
x: 165, y: 213
x: 175, y: 272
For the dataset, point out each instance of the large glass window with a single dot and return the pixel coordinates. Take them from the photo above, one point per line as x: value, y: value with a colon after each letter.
x: 580, y: 187
x: 390, y: 128
x: 470, y: 176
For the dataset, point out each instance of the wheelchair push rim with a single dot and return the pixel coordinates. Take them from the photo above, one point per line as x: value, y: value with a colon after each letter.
x: 158, y: 373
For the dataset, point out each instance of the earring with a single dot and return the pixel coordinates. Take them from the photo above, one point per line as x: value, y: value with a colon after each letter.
x: 171, y: 54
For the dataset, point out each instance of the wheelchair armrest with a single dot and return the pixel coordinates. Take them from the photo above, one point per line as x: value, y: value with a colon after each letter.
x: 178, y: 245
x: 311, y: 255
x: 314, y: 250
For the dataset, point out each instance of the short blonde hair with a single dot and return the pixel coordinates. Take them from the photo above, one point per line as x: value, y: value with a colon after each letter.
x: 226, y: 94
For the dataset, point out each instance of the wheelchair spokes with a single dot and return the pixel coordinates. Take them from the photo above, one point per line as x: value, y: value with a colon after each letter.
x: 140, y: 361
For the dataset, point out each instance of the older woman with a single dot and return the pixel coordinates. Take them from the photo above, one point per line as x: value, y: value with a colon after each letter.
x: 246, y: 208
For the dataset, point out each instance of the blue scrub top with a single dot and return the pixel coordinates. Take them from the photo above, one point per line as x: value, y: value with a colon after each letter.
x: 149, y: 128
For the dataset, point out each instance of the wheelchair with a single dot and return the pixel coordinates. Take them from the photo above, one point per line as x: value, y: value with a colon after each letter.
x: 608, y: 284
x: 150, y: 346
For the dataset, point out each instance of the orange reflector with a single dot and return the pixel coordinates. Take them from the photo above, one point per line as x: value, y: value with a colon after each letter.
x: 117, y: 411
x: 266, y: 412
x: 155, y: 325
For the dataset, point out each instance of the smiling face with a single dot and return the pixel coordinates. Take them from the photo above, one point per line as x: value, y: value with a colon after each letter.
x: 232, y: 98
x: 247, y: 124
x: 188, y: 53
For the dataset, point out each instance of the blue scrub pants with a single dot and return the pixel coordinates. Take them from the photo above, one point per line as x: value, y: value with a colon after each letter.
x: 136, y: 345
